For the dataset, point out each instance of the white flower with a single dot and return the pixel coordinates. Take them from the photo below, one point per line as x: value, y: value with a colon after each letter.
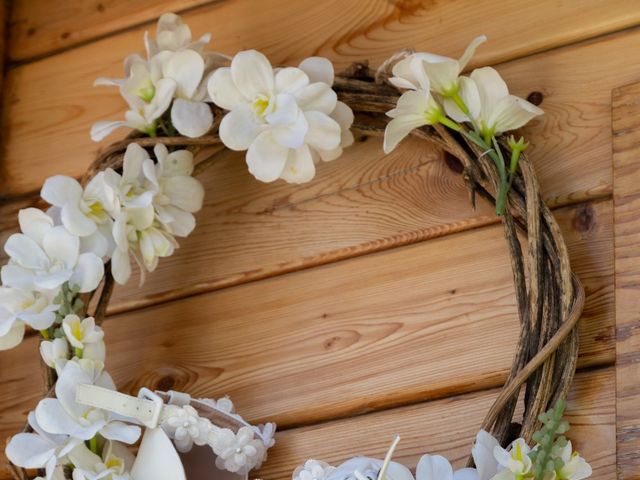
x: 424, y: 71
x: 173, y: 34
x: 186, y: 427
x: 81, y: 210
x: 482, y: 452
x: 20, y: 307
x: 575, y: 467
x: 132, y: 187
x: 515, y: 462
x: 413, y: 110
x: 63, y: 415
x: 491, y: 107
x: 114, y: 464
x: 81, y: 333
x: 45, y: 256
x: 278, y: 117
x: 268, y: 432
x: 39, y: 449
x: 237, y: 452
x: 436, y: 467
x: 313, y: 470
x: 178, y: 194
x: 54, y: 351
x: 361, y: 468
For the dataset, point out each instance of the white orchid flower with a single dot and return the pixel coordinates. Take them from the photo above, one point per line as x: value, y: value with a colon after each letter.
x: 515, y: 462
x: 45, y: 256
x: 54, y: 351
x: 278, y: 117
x: 173, y: 34
x: 414, y: 109
x: 81, y: 210
x: 63, y: 415
x: 40, y: 449
x: 114, y: 463
x: 132, y: 187
x: 20, y: 307
x: 575, y: 467
x: 81, y: 332
x: 424, y: 71
x: 492, y: 109
x: 313, y: 470
x: 179, y: 195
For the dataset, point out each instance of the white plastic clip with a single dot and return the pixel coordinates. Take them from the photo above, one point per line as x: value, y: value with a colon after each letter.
x: 146, y: 394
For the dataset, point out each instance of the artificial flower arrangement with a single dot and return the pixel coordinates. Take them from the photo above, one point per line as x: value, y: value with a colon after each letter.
x: 141, y: 196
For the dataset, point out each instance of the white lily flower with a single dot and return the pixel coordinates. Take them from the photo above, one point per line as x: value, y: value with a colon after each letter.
x: 40, y: 449
x: 45, y: 256
x: 81, y: 333
x: 424, y: 71
x: 414, y: 109
x: 179, y: 195
x: 278, y: 117
x: 575, y: 467
x: 55, y: 351
x: 20, y: 307
x: 63, y: 415
x: 81, y: 210
x: 492, y: 108
x: 515, y: 462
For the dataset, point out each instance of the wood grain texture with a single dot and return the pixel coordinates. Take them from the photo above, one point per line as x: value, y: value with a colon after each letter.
x: 367, y: 333
x: 575, y: 82
x: 447, y: 427
x: 626, y: 171
x: 40, y: 27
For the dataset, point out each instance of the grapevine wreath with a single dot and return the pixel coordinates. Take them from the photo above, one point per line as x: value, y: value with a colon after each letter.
x: 140, y: 195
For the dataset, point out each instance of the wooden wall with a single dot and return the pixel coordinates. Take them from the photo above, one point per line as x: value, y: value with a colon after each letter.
x: 374, y: 300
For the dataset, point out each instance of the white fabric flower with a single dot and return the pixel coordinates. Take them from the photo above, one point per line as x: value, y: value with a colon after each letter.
x: 491, y: 107
x: 114, y: 464
x: 132, y: 187
x: 186, y: 427
x: 81, y: 332
x: 575, y: 467
x: 20, y: 307
x: 414, y: 109
x: 54, y: 351
x: 64, y: 416
x: 424, y: 71
x: 278, y: 117
x: 515, y: 461
x: 268, y: 432
x: 45, y: 256
x: 82, y: 210
x: 313, y: 470
x: 39, y: 449
x: 237, y: 452
x: 178, y: 195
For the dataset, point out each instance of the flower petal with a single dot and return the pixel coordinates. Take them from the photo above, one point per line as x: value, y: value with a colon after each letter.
x: 400, y: 127
x: 62, y: 246
x: 285, y: 110
x: 317, y: 96
x: 434, y: 467
x: 319, y: 69
x: 134, y: 156
x: 299, y: 167
x: 266, y: 158
x: 324, y: 132
x: 75, y: 221
x: 290, y: 80
x: 223, y: 92
x: 185, y: 192
x: 292, y: 135
x: 34, y: 223
x: 468, y: 474
x: 238, y: 128
x: 121, y: 266
x: 26, y: 252
x: 16, y: 276
x: 442, y: 75
x: 60, y: 189
x: 13, y: 337
x: 491, y: 88
x: 469, y: 94
x: 186, y: 67
x: 165, y: 89
x: 252, y: 74
x: 512, y: 112
x: 53, y: 418
x: 482, y: 452
x: 88, y: 273
x: 29, y: 450
x: 191, y: 119
x: 102, y: 129
x: 470, y: 51
x: 121, y: 432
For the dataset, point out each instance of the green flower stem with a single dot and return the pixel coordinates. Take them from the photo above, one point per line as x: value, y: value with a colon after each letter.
x: 447, y: 122
x: 93, y: 444
x: 513, y: 165
x: 460, y: 103
x: 78, y: 352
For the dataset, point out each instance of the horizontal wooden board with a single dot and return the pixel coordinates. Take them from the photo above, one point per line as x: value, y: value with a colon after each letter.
x: 572, y: 151
x: 40, y: 27
x: 626, y: 168
x: 372, y: 332
x: 447, y: 427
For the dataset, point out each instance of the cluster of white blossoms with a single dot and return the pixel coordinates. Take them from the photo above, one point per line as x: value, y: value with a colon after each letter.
x: 492, y: 462
x: 287, y: 119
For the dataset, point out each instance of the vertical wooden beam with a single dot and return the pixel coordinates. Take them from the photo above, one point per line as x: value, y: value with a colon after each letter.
x: 626, y: 196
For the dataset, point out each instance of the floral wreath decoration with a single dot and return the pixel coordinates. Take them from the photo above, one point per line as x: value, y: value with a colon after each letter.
x: 140, y: 195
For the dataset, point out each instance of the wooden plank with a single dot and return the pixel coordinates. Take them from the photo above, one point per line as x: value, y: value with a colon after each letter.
x: 40, y: 27
x: 447, y: 427
x: 574, y: 137
x: 626, y: 171
x: 443, y: 303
